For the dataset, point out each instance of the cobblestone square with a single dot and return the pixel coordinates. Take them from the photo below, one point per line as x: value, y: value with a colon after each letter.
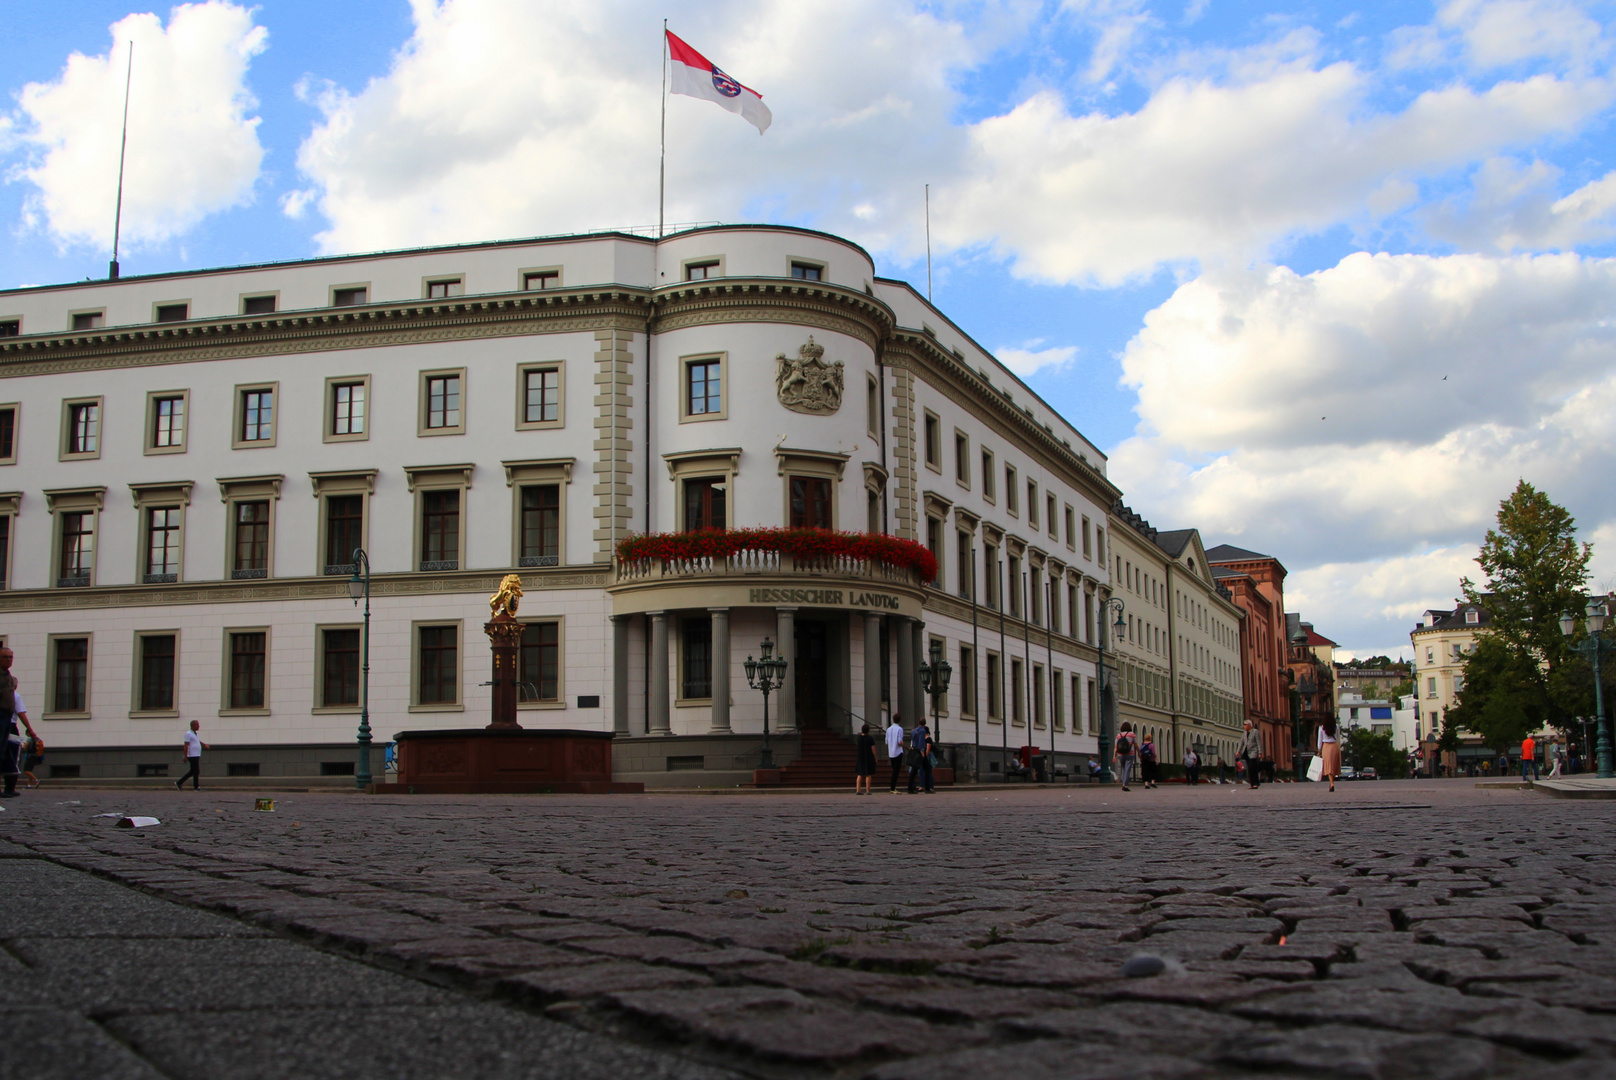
x: 1393, y: 929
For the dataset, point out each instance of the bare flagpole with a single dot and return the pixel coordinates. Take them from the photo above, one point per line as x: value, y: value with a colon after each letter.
x: 928, y: 243
x: 123, y: 145
x: 662, y: 168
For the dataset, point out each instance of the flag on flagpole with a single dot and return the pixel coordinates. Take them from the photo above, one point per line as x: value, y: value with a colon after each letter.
x: 696, y: 76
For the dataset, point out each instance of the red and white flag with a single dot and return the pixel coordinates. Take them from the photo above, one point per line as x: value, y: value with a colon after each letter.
x: 696, y: 76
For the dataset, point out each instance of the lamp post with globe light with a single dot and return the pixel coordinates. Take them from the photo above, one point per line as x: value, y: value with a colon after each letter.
x: 766, y: 675
x: 934, y: 678
x: 1592, y: 646
x: 1108, y: 731
x: 359, y: 589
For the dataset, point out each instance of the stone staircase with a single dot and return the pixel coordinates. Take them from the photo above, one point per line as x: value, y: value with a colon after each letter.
x: 827, y: 761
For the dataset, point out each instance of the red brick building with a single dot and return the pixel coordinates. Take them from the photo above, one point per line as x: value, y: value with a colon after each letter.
x: 1257, y: 584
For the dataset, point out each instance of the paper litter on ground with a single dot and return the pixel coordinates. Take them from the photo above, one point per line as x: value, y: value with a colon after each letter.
x: 136, y: 822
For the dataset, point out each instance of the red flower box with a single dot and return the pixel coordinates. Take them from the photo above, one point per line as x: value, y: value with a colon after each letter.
x: 804, y: 544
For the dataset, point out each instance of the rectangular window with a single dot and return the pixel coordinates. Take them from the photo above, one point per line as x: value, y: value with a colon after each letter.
x: 962, y: 458
x: 810, y: 502
x: 442, y: 402
x: 696, y: 677
x: 1050, y: 519
x: 348, y: 408
x: 967, y: 681
x: 540, y: 662
x: 438, y: 666
x: 541, y: 279
x: 339, y: 662
x: 995, y: 688
x: 76, y: 558
x: 1032, y: 503
x: 168, y: 422
x: 351, y: 296
x: 1014, y: 583
x: 1088, y: 545
x: 173, y: 312
x: 964, y: 564
x: 1057, y: 701
x: 5, y: 550
x: 541, y: 525
x: 258, y: 305
x: 162, y: 545
x: 89, y: 320
x: 344, y: 531
x: 1099, y: 544
x: 1010, y: 493
x: 934, y: 442
x: 990, y: 574
x: 1038, y: 717
x: 872, y: 407
x: 807, y: 271
x: 8, y: 435
x: 703, y: 388
x: 872, y: 512
x: 440, y: 530
x: 249, y: 652
x: 934, y: 544
x: 701, y: 271
x: 987, y: 475
x: 1018, y: 693
x: 83, y: 429
x: 251, y: 523
x: 10, y: 327
x: 257, y: 416
x: 70, y: 675
x: 704, y: 503
x: 444, y: 288
x: 542, y: 395
x: 156, y: 672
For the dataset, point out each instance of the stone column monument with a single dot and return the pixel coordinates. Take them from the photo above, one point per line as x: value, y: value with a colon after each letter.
x: 505, y: 637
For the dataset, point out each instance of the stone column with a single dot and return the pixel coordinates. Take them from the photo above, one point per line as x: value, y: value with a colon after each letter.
x: 620, y: 674
x: 721, y: 672
x: 906, y: 671
x: 922, y: 702
x: 872, y: 670
x: 659, y: 673
x: 785, y: 630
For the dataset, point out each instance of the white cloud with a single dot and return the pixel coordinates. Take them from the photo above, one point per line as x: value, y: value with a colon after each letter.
x: 1512, y: 207
x: 1369, y: 607
x: 1379, y: 407
x: 193, y: 148
x: 1028, y: 359
x: 1502, y: 32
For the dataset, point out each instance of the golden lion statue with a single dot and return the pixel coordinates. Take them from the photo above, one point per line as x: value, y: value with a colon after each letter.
x: 509, y: 596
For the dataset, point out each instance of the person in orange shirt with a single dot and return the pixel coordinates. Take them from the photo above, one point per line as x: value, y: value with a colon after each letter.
x: 1529, y: 757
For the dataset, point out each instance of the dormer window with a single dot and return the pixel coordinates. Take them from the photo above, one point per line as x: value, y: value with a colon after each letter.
x: 1472, y: 616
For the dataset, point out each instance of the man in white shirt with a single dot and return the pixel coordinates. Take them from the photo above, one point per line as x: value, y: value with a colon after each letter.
x: 12, y: 709
x: 193, y: 757
x: 895, y: 749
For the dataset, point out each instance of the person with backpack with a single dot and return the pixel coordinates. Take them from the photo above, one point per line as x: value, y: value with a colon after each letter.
x: 919, y: 757
x: 1149, y: 763
x: 864, y: 761
x: 1126, y: 752
x: 1250, y: 752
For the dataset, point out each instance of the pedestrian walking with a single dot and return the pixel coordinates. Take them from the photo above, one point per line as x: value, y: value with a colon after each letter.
x: 1330, y: 749
x: 920, y: 749
x: 1558, y: 758
x: 1250, y: 754
x: 864, y: 766
x: 12, y: 709
x: 895, y: 749
x: 193, y: 758
x: 33, y: 754
x: 1529, y: 757
x: 1223, y: 770
x: 1149, y: 763
x: 1127, y: 752
x: 1192, y: 767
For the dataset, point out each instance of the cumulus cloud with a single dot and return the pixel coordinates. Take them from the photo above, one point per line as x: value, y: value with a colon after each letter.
x: 1514, y: 207
x: 1502, y: 32
x: 1369, y: 607
x: 1029, y: 359
x: 193, y: 148
x: 1380, y: 407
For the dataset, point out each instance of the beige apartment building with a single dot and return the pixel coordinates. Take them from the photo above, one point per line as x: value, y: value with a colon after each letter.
x: 1442, y: 640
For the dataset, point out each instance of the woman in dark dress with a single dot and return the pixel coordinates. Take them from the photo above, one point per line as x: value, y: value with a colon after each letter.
x: 865, y: 763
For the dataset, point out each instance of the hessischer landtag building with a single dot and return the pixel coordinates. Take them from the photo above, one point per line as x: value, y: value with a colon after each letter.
x: 639, y: 427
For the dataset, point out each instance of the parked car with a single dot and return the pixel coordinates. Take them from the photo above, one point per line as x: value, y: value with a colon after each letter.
x: 1368, y: 773
x: 1348, y: 772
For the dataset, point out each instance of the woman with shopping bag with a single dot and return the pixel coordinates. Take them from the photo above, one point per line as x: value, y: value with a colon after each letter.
x: 1329, y: 750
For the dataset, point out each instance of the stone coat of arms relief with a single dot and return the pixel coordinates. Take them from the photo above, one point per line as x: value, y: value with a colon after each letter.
x: 807, y: 384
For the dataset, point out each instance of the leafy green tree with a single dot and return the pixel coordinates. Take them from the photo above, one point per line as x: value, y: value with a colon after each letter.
x: 1373, y: 749
x: 1517, y: 676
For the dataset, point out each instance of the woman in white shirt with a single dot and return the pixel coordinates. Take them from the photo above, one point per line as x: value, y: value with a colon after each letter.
x: 1330, y: 750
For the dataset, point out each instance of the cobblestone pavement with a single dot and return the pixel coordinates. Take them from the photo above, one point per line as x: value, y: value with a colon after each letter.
x: 1395, y: 929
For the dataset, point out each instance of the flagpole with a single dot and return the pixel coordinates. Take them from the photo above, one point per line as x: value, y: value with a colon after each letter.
x: 123, y: 145
x: 662, y: 167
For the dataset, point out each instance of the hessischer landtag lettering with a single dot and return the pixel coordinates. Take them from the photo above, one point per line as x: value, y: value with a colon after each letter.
x: 826, y: 597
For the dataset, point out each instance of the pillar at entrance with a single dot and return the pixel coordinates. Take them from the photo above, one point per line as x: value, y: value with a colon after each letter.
x: 659, y: 673
x: 872, y: 669
x: 620, y: 674
x: 720, y: 670
x: 919, y: 655
x: 906, y: 671
x: 785, y: 628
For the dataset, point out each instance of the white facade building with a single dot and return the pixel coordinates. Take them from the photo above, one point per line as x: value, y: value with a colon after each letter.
x: 193, y: 458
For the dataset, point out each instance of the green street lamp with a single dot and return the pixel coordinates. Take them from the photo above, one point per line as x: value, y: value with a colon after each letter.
x: 1107, y: 682
x: 1593, y: 645
x: 934, y: 678
x: 359, y: 589
x: 766, y: 675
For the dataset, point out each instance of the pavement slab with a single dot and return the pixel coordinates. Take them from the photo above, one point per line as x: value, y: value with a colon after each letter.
x: 1393, y: 929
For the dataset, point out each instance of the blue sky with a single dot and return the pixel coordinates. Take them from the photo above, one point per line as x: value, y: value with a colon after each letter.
x: 1324, y: 279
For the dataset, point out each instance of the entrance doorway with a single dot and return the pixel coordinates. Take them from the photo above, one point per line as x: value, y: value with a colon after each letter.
x: 813, y: 675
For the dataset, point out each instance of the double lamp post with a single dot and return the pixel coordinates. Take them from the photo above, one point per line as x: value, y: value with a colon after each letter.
x: 1592, y: 646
